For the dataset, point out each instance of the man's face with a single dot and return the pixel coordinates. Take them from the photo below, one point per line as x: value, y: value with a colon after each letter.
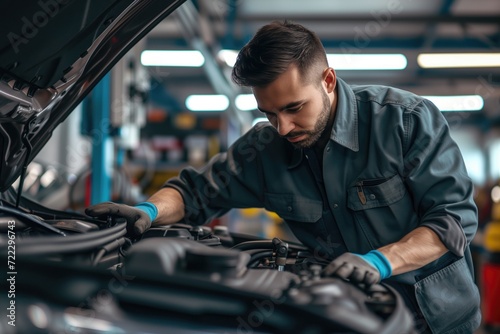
x: 299, y: 111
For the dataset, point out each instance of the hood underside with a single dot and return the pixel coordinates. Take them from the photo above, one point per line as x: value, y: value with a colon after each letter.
x: 52, y: 53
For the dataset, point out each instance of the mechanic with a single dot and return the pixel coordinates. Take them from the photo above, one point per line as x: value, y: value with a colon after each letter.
x: 366, y: 176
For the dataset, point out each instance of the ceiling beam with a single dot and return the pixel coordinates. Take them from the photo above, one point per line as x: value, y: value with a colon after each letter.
x: 189, y: 18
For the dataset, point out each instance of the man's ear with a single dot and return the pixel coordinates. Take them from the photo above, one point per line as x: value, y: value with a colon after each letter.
x: 329, y: 79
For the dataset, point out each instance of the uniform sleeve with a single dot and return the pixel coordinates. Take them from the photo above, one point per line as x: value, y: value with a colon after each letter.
x: 230, y: 180
x: 437, y: 178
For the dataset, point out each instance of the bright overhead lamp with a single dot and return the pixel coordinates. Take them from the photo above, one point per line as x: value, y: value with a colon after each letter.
x: 344, y: 61
x: 367, y: 61
x: 212, y: 102
x: 495, y: 194
x: 458, y: 60
x: 177, y: 58
x: 228, y: 57
x: 457, y: 102
x: 245, y: 102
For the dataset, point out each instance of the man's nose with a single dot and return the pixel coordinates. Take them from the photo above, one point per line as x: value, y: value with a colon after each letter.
x: 285, y: 124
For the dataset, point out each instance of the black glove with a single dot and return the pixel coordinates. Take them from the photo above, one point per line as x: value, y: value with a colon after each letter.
x: 138, y: 221
x: 354, y: 268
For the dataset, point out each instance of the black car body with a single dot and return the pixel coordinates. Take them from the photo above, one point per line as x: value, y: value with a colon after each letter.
x: 63, y: 272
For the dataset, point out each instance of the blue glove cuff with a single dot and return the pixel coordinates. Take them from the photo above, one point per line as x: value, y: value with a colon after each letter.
x: 379, y: 261
x: 149, y: 208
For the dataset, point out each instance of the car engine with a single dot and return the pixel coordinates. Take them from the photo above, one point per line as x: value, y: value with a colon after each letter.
x: 70, y: 273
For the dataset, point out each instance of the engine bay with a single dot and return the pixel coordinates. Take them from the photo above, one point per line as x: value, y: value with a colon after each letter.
x: 76, y: 274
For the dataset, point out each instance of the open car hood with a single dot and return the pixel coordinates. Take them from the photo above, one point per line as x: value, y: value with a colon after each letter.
x: 52, y: 53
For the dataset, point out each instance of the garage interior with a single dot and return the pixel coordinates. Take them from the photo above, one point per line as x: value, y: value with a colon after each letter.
x: 152, y: 119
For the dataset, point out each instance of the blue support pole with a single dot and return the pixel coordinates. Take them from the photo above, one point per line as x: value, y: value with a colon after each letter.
x: 102, y: 149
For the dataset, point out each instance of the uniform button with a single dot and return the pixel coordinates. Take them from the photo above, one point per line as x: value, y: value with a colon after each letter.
x: 372, y: 196
x: 335, y: 205
x: 328, y: 148
x: 289, y: 208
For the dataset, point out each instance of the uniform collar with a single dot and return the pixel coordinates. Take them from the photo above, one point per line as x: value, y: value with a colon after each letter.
x: 345, y: 126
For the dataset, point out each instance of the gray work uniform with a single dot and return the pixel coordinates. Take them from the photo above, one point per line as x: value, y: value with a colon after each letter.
x: 389, y: 167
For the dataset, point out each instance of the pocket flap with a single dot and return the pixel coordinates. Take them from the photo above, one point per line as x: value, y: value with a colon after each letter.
x: 376, y: 194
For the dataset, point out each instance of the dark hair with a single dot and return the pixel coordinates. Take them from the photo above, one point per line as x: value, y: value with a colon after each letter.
x: 273, y: 49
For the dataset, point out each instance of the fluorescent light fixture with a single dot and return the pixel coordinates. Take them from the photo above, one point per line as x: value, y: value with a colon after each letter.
x: 494, y: 151
x: 457, y: 103
x: 259, y: 119
x: 457, y: 60
x: 179, y: 58
x: 495, y: 194
x: 345, y: 61
x: 246, y: 102
x: 212, y: 102
x: 367, y: 61
x: 228, y: 56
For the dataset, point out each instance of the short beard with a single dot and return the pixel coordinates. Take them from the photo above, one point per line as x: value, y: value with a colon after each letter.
x: 319, y: 127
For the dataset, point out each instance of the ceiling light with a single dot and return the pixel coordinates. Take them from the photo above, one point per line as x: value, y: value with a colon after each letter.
x: 344, y: 61
x: 457, y: 102
x: 207, y: 102
x: 246, y: 102
x: 495, y: 194
x: 454, y: 60
x: 228, y: 57
x: 367, y: 61
x: 180, y: 58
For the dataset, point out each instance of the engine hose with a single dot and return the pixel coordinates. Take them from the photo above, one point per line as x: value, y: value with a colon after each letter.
x: 72, y: 244
x: 254, y: 251
x: 98, y: 257
x: 74, y: 237
x: 254, y: 260
x: 107, y: 248
x: 255, y: 244
x: 32, y: 221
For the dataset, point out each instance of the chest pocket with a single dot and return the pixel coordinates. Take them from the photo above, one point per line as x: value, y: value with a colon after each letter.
x: 295, y: 208
x: 368, y: 194
x: 383, y: 209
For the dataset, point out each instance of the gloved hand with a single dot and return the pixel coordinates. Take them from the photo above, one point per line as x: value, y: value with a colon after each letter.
x: 138, y: 217
x: 368, y: 269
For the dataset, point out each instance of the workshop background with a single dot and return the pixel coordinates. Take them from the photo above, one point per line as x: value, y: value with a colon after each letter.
x: 170, y: 102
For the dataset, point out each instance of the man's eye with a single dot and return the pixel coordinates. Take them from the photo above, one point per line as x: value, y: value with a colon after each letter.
x: 295, y: 109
